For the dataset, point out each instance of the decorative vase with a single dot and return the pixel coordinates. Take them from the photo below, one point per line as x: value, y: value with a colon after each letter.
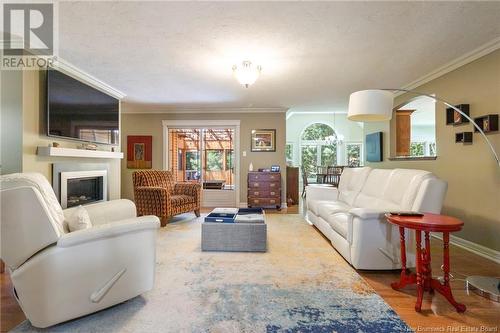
x: 250, y: 167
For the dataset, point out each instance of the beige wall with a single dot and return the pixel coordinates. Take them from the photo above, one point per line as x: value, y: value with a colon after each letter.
x: 11, y: 119
x: 151, y: 124
x: 34, y: 129
x: 472, y: 174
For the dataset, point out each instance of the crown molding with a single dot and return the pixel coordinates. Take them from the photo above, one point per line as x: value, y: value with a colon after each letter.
x: 136, y: 109
x: 454, y: 64
x: 69, y: 69
x: 289, y: 114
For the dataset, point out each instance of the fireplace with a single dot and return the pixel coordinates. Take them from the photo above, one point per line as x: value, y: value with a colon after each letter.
x: 83, y: 187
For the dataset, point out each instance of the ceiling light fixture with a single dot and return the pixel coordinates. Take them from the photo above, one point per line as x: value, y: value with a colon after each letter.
x: 246, y: 73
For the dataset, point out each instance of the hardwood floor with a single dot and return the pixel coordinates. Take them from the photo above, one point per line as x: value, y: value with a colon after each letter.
x: 437, y: 314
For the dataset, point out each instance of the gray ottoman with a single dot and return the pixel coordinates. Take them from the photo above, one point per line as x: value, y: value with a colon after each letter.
x: 239, y: 237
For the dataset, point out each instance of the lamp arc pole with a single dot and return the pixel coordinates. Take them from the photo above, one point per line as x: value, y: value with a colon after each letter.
x: 437, y: 99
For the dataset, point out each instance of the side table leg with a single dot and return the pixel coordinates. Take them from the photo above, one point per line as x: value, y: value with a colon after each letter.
x: 427, y: 263
x: 445, y: 289
x: 405, y: 278
x: 420, y: 282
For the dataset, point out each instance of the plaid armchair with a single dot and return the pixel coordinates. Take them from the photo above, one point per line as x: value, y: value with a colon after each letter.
x: 156, y: 193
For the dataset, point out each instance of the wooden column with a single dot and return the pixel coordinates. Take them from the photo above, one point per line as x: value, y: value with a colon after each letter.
x: 403, y: 132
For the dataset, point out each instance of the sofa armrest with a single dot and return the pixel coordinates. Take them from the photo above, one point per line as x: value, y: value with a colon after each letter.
x: 367, y: 213
x: 325, y: 193
x: 152, y: 200
x: 133, y: 225
x: 108, y: 211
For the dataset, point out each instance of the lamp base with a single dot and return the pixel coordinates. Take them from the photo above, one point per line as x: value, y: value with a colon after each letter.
x: 486, y: 286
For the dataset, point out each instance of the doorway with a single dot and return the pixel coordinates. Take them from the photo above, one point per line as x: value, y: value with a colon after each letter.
x: 205, y: 154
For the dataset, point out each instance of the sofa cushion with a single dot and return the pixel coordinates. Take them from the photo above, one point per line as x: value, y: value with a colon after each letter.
x: 340, y: 223
x: 326, y: 209
x: 182, y: 199
x: 351, y: 182
x: 313, y: 205
x: 403, y: 186
x: 372, y: 192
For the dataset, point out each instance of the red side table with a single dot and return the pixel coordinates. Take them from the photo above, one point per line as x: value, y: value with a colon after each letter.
x: 427, y: 223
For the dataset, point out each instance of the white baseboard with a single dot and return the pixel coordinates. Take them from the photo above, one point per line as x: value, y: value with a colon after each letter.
x: 475, y: 248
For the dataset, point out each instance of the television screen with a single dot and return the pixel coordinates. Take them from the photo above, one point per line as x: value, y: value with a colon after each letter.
x: 78, y: 111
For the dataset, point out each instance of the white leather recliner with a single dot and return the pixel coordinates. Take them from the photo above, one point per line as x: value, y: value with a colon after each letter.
x: 60, y: 275
x: 352, y: 216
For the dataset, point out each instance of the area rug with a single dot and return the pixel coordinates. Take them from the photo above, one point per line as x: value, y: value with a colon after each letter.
x: 300, y: 285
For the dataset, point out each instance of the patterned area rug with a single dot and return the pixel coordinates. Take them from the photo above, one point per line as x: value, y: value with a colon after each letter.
x: 300, y: 285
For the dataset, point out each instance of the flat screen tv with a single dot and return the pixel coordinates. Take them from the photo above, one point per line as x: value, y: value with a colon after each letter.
x: 78, y: 111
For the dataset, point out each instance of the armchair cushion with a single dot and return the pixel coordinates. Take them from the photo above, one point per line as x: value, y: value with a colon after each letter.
x: 181, y: 199
x: 107, y: 211
x: 38, y: 181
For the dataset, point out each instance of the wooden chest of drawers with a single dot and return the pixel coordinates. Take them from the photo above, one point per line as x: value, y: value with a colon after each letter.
x: 264, y: 189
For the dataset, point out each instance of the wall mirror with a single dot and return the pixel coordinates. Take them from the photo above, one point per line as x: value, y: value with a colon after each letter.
x: 416, y: 128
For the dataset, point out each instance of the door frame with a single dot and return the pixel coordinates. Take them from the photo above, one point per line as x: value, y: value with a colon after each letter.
x: 169, y: 124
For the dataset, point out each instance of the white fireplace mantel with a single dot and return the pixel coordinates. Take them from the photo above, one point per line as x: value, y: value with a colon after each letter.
x: 79, y: 153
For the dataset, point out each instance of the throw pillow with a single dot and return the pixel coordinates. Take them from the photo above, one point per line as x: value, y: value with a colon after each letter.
x: 79, y: 220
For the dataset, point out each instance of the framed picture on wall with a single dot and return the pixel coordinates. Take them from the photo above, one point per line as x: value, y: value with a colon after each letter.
x: 263, y: 140
x: 139, y: 151
x: 374, y: 144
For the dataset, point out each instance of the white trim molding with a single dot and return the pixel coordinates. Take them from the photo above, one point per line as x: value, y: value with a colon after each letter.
x: 469, y: 57
x: 475, y: 248
x: 155, y: 109
x: 69, y: 69
x: 79, y: 153
x: 291, y: 113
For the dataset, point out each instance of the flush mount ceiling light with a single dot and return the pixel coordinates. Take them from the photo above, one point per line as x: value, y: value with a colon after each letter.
x: 246, y: 73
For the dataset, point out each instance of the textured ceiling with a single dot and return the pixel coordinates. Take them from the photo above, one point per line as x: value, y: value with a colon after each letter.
x: 313, y: 54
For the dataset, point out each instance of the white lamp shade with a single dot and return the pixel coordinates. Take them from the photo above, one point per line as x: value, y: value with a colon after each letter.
x: 370, y: 105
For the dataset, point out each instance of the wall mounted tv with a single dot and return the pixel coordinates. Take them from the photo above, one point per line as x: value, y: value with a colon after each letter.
x: 78, y: 111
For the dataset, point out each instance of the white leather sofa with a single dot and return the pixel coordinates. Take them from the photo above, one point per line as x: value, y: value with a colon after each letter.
x: 352, y: 216
x: 60, y: 275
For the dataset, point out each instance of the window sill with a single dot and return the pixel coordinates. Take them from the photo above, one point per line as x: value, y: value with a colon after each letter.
x: 413, y: 158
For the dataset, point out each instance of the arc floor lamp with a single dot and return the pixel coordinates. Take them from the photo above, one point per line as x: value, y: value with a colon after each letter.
x: 377, y: 105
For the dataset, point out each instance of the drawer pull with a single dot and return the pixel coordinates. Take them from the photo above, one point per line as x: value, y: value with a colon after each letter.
x: 272, y: 185
x: 273, y: 193
x: 256, y: 201
x: 256, y: 184
x: 272, y: 201
x: 256, y: 193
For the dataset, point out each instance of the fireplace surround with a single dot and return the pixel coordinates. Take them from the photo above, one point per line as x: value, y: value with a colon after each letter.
x: 83, y: 187
x: 80, y: 183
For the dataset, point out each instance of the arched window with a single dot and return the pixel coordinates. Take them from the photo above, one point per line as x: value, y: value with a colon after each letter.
x: 318, y: 147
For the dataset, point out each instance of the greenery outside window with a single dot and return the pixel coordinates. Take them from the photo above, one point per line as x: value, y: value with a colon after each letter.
x: 229, y: 159
x: 289, y: 152
x: 192, y: 160
x: 353, y: 154
x: 214, y: 159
